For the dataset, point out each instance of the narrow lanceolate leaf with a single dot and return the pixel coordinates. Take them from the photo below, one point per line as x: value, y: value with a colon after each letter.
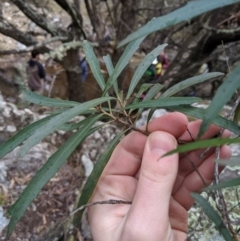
x: 22, y: 135
x: 223, y: 95
x: 45, y: 101
x: 93, y: 63
x: 213, y: 216
x: 199, y: 114
x: 189, y: 82
x: 151, y: 93
x: 203, y: 144
x: 144, y: 87
x: 143, y: 67
x: 185, y: 13
x: 73, y: 126
x: 46, y: 173
x: 234, y: 161
x: 227, y: 184
x: 122, y: 63
x: 160, y: 103
x: 237, y: 114
x: 57, y: 121
x: 109, y: 65
x: 94, y: 177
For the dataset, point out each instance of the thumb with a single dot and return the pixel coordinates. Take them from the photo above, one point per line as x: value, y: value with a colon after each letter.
x: 156, y: 180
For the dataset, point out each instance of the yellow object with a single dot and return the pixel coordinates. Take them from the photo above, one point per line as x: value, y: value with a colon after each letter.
x: 158, y: 68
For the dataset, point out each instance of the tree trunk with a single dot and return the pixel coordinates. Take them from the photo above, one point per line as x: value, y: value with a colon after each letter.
x: 127, y: 24
x: 73, y: 71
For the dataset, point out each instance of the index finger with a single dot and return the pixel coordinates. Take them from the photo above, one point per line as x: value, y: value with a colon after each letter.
x: 127, y: 156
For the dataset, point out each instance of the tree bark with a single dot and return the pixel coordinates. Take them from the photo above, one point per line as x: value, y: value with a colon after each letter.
x: 95, y: 18
x: 73, y: 71
x: 38, y: 19
x: 12, y: 32
x: 127, y: 24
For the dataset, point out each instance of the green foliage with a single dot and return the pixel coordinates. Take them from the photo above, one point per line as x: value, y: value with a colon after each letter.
x: 143, y: 67
x: 203, y: 144
x: 200, y: 113
x: 189, y: 82
x: 94, y: 64
x: 45, y: 101
x: 65, y: 111
x: 213, y: 216
x: 21, y: 136
x: 161, y: 103
x: 94, y: 177
x: 57, y: 121
x: 121, y: 64
x: 232, y: 183
x: 223, y: 95
x: 47, y: 172
x: 190, y: 10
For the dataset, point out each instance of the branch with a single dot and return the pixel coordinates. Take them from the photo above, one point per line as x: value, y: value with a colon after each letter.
x: 38, y: 19
x: 35, y: 46
x: 73, y: 12
x: 12, y: 32
x: 160, y: 8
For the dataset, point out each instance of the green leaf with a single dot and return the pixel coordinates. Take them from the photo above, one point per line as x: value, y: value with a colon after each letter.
x: 94, y: 177
x: 46, y: 173
x: 199, y: 114
x: 57, y: 121
x: 237, y: 114
x: 151, y: 93
x: 213, y: 216
x: 203, y: 144
x: 189, y: 82
x: 93, y: 63
x: 160, y: 103
x: 45, y: 101
x: 223, y: 95
x: 185, y: 13
x: 73, y: 126
x: 227, y: 184
x: 143, y: 67
x: 108, y: 62
x: 150, y: 114
x: 109, y: 65
x: 234, y: 161
x: 122, y: 63
x: 22, y: 135
x: 144, y: 87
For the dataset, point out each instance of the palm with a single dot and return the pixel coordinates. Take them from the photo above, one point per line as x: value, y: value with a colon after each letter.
x: 156, y: 212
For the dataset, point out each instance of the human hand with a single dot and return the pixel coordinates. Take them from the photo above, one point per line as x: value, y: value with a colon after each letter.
x: 159, y: 188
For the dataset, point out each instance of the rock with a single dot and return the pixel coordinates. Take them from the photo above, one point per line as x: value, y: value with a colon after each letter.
x: 143, y: 120
x: 88, y: 165
x: 3, y: 172
x: 3, y: 220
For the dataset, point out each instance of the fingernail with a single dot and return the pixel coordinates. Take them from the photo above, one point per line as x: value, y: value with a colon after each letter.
x: 161, y: 142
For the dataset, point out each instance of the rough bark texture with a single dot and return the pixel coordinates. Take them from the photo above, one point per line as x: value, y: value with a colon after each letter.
x: 127, y: 24
x: 96, y: 19
x: 38, y: 19
x: 73, y: 71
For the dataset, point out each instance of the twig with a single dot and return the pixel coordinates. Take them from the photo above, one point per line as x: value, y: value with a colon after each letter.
x: 36, y: 46
x: 111, y: 201
x: 225, y: 214
x: 225, y: 55
x: 196, y: 169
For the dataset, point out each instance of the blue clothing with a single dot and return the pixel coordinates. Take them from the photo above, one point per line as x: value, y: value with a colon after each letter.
x: 84, y: 69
